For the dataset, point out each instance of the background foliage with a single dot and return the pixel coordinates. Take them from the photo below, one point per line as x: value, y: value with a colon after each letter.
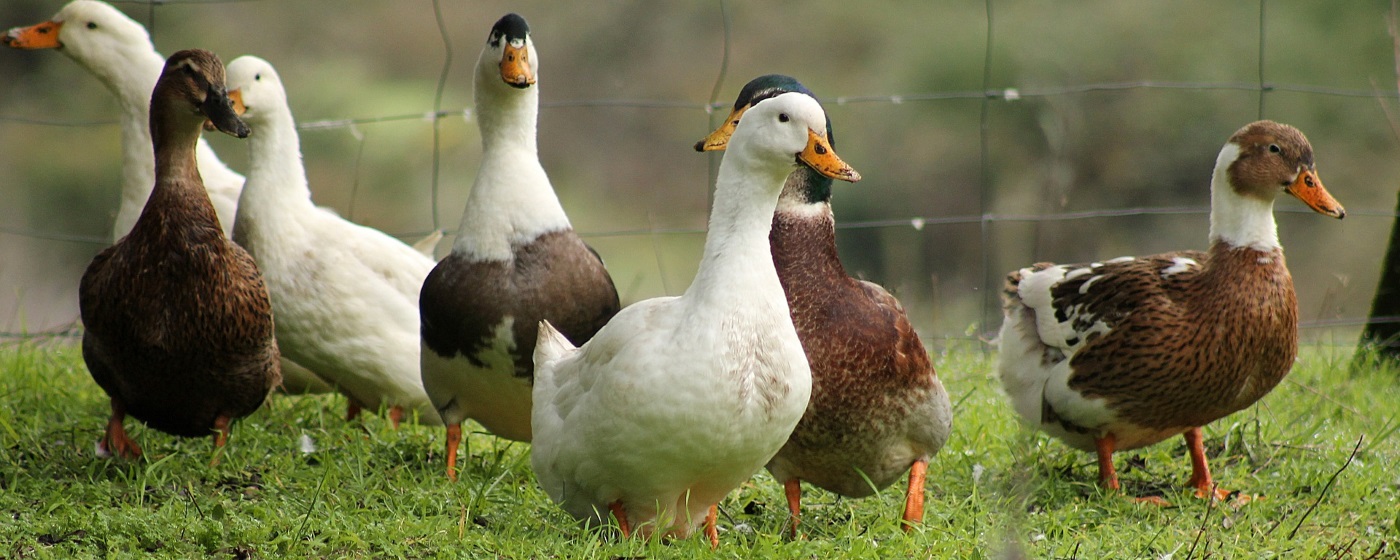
x: 626, y: 86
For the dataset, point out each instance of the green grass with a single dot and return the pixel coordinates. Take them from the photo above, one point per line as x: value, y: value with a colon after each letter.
x: 369, y: 491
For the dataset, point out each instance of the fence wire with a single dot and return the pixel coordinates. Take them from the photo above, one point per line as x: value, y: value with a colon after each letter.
x: 715, y: 107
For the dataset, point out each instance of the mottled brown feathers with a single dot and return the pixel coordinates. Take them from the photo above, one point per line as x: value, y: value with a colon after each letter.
x: 1183, y: 348
x: 555, y: 277
x: 178, y: 321
x: 872, y: 381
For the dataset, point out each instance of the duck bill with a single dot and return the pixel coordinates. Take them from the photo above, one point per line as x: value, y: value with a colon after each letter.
x: 1308, y: 188
x: 236, y: 97
x: 819, y: 156
x: 39, y: 36
x: 719, y: 139
x: 221, y: 114
x: 515, y: 66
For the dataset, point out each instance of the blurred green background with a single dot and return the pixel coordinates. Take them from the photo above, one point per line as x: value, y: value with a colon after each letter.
x: 626, y: 86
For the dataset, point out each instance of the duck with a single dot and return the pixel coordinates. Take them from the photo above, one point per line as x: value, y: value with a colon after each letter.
x: 118, y: 51
x: 679, y: 400
x: 178, y: 323
x: 1124, y: 353
x: 345, y: 295
x: 878, y: 409
x: 515, y: 261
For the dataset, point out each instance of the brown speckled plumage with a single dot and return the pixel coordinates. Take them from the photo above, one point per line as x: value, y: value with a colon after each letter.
x: 875, y: 397
x: 877, y: 408
x: 1161, y: 365
x: 178, y: 323
x: 1125, y: 353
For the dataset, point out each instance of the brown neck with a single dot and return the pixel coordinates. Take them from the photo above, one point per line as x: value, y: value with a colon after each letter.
x: 179, y: 196
x: 804, y: 247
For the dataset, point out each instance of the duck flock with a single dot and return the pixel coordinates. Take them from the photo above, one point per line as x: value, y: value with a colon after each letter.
x: 221, y: 287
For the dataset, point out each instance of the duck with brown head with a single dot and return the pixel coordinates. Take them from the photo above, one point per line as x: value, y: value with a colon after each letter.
x: 178, y: 322
x: 1124, y: 353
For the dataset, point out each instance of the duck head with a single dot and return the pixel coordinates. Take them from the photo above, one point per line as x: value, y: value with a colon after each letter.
x: 808, y: 185
x: 509, y: 54
x: 196, y: 77
x: 93, y: 33
x: 1269, y: 158
x: 255, y: 89
x: 792, y: 125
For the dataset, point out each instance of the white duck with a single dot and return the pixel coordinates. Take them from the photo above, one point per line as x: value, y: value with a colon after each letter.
x: 516, y: 261
x: 345, y: 295
x: 679, y: 400
x: 118, y: 51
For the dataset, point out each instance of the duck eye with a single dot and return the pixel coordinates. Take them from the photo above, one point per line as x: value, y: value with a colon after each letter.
x: 92, y: 25
x: 783, y: 117
x: 257, y: 77
x: 1274, y: 148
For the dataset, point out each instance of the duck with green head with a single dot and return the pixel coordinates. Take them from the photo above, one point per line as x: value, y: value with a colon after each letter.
x: 877, y: 408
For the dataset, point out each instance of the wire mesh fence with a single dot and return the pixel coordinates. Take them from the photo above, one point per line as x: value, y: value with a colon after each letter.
x: 993, y: 134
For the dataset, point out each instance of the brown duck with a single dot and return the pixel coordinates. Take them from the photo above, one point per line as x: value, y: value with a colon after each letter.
x: 178, y: 322
x: 877, y: 408
x: 1128, y: 352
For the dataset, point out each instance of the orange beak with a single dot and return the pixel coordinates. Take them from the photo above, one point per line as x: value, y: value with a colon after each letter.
x: 819, y: 156
x: 718, y: 139
x: 40, y: 36
x: 236, y: 96
x: 1308, y: 188
x: 515, y: 67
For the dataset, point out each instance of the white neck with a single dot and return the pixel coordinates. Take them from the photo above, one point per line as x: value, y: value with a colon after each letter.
x: 512, y: 201
x: 276, y: 187
x: 1239, y: 221
x: 737, y: 260
x: 131, y: 82
x: 130, y: 74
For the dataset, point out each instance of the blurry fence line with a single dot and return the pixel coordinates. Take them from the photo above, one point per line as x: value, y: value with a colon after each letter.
x: 915, y: 222
x: 987, y: 94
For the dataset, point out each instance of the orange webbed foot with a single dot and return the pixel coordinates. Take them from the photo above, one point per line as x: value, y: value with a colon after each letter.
x: 115, y: 441
x: 711, y: 526
x: 454, y: 438
x: 914, y: 501
x: 792, y: 489
x: 221, y: 425
x: 620, y: 514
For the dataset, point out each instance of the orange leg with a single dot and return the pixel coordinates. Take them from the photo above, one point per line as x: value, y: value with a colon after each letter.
x: 1200, y: 471
x: 115, y: 441
x: 1108, y: 477
x: 914, y: 502
x: 620, y: 514
x: 793, y: 489
x: 454, y: 437
x: 221, y: 438
x: 352, y: 409
x: 711, y: 530
x: 396, y: 415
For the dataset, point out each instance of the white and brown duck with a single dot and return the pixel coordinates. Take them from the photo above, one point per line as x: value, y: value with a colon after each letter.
x: 1127, y: 352
x: 679, y: 400
x: 179, y: 328
x: 877, y: 408
x: 516, y: 261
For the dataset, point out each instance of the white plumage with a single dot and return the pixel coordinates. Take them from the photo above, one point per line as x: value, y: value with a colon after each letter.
x: 679, y: 400
x: 345, y: 295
